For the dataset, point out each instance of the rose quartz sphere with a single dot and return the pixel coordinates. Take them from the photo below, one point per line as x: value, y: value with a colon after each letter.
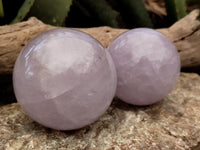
x: 147, y: 64
x: 64, y: 79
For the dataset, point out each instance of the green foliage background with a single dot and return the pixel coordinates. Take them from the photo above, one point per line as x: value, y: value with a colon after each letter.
x: 90, y: 13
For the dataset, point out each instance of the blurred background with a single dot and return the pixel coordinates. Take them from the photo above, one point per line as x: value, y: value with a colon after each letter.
x: 93, y: 13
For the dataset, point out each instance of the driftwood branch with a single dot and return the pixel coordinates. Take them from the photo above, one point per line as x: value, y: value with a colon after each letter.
x: 185, y: 34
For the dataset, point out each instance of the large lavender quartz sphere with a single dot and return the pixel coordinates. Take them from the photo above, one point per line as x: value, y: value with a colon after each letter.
x: 64, y: 79
x: 147, y: 65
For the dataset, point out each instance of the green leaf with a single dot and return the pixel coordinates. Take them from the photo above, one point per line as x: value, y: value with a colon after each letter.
x: 23, y: 11
x: 102, y: 11
x: 1, y: 9
x: 52, y: 12
x: 176, y: 9
x: 192, y: 1
x: 136, y: 12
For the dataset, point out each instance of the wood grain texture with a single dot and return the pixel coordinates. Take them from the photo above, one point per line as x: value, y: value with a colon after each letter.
x: 185, y: 34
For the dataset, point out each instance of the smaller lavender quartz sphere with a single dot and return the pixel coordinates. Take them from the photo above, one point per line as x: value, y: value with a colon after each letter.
x: 147, y: 65
x: 64, y: 79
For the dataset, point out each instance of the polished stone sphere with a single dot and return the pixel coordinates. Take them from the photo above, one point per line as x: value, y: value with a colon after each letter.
x: 147, y: 65
x: 64, y: 79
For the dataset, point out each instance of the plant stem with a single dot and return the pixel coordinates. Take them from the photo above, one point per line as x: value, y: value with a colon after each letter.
x: 136, y: 12
x: 176, y: 9
x: 102, y: 11
x: 1, y: 9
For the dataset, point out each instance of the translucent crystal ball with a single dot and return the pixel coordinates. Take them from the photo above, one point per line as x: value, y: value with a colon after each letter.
x: 64, y: 79
x: 147, y: 65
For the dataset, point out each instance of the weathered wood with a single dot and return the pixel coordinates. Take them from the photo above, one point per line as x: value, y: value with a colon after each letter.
x: 185, y: 34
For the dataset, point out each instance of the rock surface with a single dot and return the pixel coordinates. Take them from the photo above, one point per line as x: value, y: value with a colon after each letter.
x: 173, y: 123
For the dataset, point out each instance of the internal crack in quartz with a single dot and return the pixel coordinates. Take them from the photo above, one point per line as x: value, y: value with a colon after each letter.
x: 64, y: 79
x: 147, y: 65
